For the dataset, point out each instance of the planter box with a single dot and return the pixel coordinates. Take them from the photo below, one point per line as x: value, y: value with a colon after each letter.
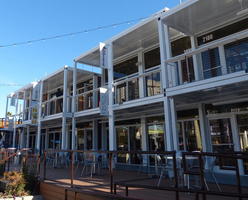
x: 37, y: 197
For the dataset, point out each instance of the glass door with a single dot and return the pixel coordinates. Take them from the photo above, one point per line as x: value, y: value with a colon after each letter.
x: 189, y: 135
x: 222, y: 139
x: 242, y: 121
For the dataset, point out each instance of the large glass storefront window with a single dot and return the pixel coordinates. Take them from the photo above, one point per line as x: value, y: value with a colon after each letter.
x: 80, y: 139
x: 155, y: 129
x: 84, y: 139
x: 188, y: 127
x: 122, y: 144
x: 189, y: 135
x: 54, y: 140
x: 153, y: 84
x: 129, y: 139
x: 237, y: 56
x: 135, y: 144
x: 211, y: 63
x: 222, y: 139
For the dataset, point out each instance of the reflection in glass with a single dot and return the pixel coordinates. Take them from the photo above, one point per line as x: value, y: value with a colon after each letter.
x: 152, y: 58
x: 153, y: 85
x: 243, y: 136
x: 121, y: 93
x: 187, y: 66
x: 189, y: 135
x: 80, y: 139
x: 211, y: 63
x: 89, y: 139
x: 122, y: 144
x: 156, y: 137
x: 221, y: 137
x: 237, y: 56
x: 135, y: 144
x: 133, y: 89
x: 126, y: 68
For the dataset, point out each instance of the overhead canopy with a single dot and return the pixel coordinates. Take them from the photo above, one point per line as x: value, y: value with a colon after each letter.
x: 142, y: 35
x: 203, y: 14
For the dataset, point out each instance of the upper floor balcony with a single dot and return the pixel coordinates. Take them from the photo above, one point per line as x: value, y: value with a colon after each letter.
x: 55, y: 93
x: 208, y: 49
x: 136, y: 62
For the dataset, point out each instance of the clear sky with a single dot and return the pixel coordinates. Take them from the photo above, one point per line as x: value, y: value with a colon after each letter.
x: 22, y: 20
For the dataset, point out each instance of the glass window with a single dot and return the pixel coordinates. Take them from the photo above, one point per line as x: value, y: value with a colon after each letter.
x: 187, y: 66
x: 153, y: 85
x: 121, y: 93
x: 57, y: 140
x: 156, y: 137
x: 126, y: 68
x: 50, y: 141
x: 89, y: 139
x: 237, y: 56
x: 135, y: 144
x: 211, y: 63
x: 179, y: 46
x: 221, y: 137
x: 133, y: 89
x: 189, y: 135
x: 122, y: 144
x: 152, y: 58
x: 242, y: 121
x: 80, y: 139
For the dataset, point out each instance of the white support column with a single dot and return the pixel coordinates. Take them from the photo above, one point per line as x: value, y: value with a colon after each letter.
x: 112, y: 135
x: 63, y: 144
x: 95, y: 135
x: 222, y: 59
x: 15, y: 119
x: 141, y: 78
x: 38, y: 136
x: 74, y: 101
x: 28, y: 134
x: 169, y: 107
x: 206, y: 144
x: 6, y: 112
x: 195, y: 60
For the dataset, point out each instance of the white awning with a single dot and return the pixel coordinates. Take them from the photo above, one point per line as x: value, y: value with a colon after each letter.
x: 199, y: 15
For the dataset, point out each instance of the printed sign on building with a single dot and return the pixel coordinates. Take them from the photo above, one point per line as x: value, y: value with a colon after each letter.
x: 104, y: 101
x: 103, y: 56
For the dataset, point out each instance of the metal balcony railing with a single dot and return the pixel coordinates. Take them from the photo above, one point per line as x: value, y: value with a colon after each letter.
x: 88, y: 100
x: 128, y: 88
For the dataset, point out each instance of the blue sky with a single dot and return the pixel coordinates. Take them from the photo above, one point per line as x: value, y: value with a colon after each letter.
x: 28, y: 19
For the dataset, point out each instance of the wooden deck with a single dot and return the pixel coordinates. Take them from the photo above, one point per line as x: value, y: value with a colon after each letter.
x: 101, y: 183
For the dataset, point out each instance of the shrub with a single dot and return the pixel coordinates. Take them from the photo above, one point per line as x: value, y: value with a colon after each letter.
x: 15, y: 184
